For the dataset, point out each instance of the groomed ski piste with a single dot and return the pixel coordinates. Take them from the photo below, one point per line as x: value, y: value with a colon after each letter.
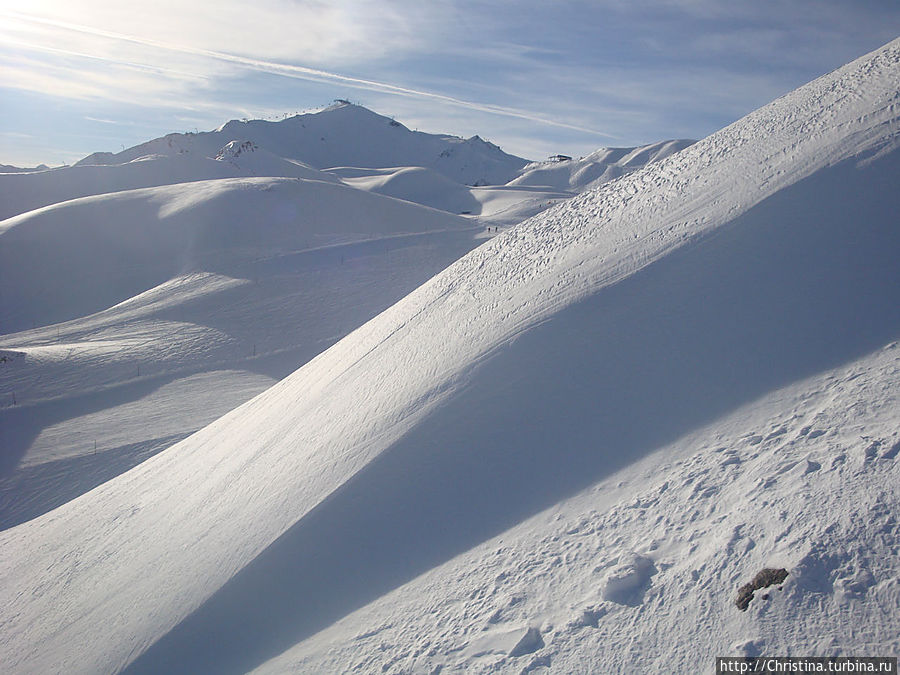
x: 565, y: 452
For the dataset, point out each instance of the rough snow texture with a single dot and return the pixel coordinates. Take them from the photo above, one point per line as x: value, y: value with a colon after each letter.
x: 710, y: 510
x: 567, y: 451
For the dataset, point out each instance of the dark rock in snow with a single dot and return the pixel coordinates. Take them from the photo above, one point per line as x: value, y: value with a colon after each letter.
x: 766, y: 577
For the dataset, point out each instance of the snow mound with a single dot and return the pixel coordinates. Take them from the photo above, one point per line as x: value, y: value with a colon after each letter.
x: 417, y: 184
x: 568, y: 349
x: 20, y: 193
x: 495, y: 205
x: 78, y: 257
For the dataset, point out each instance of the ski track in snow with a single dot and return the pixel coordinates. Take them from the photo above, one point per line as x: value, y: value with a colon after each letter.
x: 574, y: 443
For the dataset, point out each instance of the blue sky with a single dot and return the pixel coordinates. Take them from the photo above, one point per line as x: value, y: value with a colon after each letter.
x: 536, y: 77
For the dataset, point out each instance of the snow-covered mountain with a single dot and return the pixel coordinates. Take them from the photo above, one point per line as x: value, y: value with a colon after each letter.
x: 343, y: 134
x: 567, y: 451
x: 340, y: 135
x: 7, y: 168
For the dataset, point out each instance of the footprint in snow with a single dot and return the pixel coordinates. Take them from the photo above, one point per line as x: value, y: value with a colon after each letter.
x: 854, y: 586
x: 626, y: 583
x: 730, y: 459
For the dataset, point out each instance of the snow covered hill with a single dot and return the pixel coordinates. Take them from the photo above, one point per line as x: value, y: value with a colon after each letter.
x: 495, y: 205
x: 601, y: 166
x: 565, y: 452
x: 23, y: 192
x: 340, y: 135
x: 137, y: 305
x: 365, y: 149
x: 115, y: 237
x: 82, y: 256
x: 132, y: 240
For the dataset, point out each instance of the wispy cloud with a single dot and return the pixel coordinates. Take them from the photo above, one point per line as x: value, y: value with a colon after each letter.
x: 311, y: 31
x: 47, y: 49
x: 15, y: 135
x: 291, y: 71
x: 100, y: 120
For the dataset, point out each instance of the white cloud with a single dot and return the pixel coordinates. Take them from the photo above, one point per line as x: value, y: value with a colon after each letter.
x: 312, y: 31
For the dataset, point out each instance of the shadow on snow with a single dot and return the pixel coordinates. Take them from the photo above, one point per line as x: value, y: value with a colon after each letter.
x: 803, y: 282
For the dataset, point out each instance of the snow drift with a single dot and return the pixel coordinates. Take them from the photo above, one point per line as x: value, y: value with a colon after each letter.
x: 567, y: 349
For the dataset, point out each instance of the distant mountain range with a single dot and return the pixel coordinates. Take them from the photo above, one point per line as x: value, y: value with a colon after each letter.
x: 342, y: 140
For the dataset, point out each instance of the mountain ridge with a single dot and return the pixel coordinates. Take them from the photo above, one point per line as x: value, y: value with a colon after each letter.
x: 324, y: 146
x: 343, y: 134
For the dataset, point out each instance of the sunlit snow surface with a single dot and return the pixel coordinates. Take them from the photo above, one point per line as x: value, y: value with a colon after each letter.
x: 564, y: 452
x: 178, y: 280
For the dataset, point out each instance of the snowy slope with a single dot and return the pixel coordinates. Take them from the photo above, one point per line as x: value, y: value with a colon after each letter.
x: 159, y: 310
x: 24, y: 192
x: 494, y: 204
x: 79, y: 257
x: 640, y: 572
x: 601, y: 166
x: 617, y: 332
x: 205, y: 326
